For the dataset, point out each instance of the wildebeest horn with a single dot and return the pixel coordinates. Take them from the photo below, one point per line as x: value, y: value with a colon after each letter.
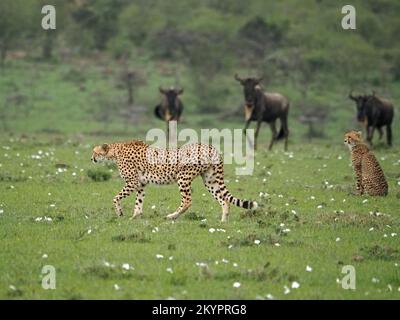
x: 161, y: 89
x: 237, y: 78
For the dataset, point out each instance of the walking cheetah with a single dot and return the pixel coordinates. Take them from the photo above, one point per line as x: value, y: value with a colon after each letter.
x: 370, y: 178
x: 140, y: 164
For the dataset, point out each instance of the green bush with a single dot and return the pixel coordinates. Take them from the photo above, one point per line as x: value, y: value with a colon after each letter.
x: 99, y: 175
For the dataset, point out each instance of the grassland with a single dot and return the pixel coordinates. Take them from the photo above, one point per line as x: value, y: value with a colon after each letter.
x: 307, y: 218
x: 56, y: 206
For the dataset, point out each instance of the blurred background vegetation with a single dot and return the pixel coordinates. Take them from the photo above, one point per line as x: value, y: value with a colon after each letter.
x: 99, y: 71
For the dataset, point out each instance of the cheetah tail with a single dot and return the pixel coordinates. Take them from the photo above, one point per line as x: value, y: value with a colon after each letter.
x: 246, y: 204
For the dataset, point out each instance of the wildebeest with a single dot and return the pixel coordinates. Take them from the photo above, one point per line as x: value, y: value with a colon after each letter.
x: 265, y: 106
x: 171, y: 106
x: 374, y: 112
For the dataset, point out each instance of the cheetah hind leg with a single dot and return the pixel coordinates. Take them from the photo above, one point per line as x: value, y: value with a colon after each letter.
x: 212, y: 181
x: 186, y: 199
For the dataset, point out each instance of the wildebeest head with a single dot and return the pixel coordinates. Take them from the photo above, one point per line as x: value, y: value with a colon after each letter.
x: 360, y: 101
x: 171, y: 101
x: 249, y: 88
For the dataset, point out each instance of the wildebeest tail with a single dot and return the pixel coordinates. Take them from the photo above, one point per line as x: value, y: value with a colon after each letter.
x: 158, y: 112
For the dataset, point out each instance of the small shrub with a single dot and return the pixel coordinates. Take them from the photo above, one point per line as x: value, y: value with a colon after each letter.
x: 381, y: 252
x: 99, y: 175
x: 134, y: 237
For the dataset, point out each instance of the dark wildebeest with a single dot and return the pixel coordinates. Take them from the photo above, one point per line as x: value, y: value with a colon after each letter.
x: 265, y: 106
x: 374, y: 112
x: 171, y: 107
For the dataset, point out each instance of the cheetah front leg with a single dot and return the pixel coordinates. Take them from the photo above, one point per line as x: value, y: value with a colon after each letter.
x: 359, y: 183
x: 126, y: 191
x: 186, y: 198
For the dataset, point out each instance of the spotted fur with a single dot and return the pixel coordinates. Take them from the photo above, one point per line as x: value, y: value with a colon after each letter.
x: 370, y: 178
x: 139, y: 164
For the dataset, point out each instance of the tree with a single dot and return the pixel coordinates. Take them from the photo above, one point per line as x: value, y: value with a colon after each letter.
x: 14, y: 19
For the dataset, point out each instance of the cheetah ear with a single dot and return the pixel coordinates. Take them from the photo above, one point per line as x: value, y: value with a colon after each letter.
x: 105, y: 147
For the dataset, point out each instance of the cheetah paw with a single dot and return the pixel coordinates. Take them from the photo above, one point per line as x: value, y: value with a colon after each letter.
x: 173, y: 216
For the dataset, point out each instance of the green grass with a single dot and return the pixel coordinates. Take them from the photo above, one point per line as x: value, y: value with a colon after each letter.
x: 89, y: 263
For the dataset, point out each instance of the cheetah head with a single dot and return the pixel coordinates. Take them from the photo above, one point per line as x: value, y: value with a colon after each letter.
x: 352, y: 138
x: 100, y: 153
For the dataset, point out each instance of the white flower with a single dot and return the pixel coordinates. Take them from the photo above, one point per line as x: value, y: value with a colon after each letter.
x: 107, y: 264
x: 365, y: 201
x: 211, y: 230
x: 237, y: 285
x: 308, y: 268
x: 337, y: 239
x: 1, y: 211
x: 126, y: 266
x: 257, y: 242
x: 38, y: 219
x: 204, y: 220
x: 393, y: 234
x: 375, y: 280
x: 169, y: 270
x: 201, y: 264
x: 286, y: 290
x: 44, y: 256
x: 52, y: 205
x: 153, y: 207
x: 116, y: 287
x: 155, y: 229
x: 295, y: 285
x: 277, y: 245
x: 230, y: 246
x: 89, y: 231
x: 270, y: 296
x: 224, y: 260
x: 170, y: 258
x: 371, y: 229
x: 286, y: 230
x: 13, y: 288
x: 235, y: 264
x: 319, y: 207
x: 294, y: 212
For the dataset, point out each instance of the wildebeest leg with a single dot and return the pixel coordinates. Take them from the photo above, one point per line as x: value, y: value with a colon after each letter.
x: 284, y: 124
x: 256, y: 134
x: 371, y: 130
x: 389, y: 134
x: 380, y: 132
x: 167, y: 133
x: 245, y: 130
x: 273, y: 131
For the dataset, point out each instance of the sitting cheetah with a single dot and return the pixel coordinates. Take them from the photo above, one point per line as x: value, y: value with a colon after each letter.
x: 140, y: 164
x: 370, y: 178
